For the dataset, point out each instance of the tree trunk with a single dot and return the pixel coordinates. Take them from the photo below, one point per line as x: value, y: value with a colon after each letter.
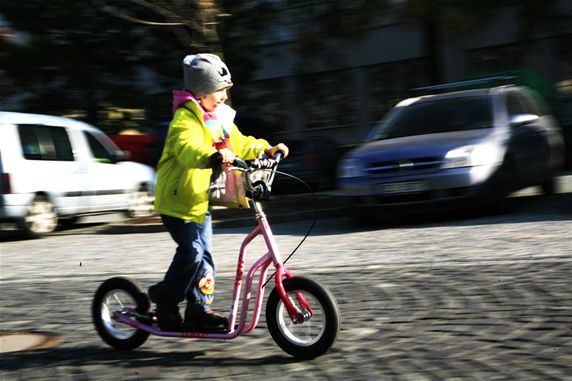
x: 432, y: 49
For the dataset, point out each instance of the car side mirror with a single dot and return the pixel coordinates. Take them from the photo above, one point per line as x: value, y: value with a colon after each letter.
x: 522, y: 119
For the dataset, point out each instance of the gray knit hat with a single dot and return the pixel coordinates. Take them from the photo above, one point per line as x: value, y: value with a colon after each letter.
x: 205, y: 73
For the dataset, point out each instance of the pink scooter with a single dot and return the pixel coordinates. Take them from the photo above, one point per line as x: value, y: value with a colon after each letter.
x: 303, y: 316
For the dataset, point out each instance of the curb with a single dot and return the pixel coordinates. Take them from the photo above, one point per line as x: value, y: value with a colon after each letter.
x: 283, y: 209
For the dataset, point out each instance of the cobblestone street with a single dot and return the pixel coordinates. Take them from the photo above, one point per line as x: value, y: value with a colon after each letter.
x: 476, y: 298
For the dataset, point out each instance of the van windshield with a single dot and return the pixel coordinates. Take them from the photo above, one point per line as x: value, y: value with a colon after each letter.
x: 435, y: 116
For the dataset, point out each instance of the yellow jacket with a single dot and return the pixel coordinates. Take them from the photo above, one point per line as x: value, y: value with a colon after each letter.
x: 183, y: 176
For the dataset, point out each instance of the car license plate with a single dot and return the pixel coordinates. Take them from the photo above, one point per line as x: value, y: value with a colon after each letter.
x: 402, y: 187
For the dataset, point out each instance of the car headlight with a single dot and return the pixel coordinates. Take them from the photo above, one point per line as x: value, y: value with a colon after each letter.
x: 351, y: 167
x: 473, y: 156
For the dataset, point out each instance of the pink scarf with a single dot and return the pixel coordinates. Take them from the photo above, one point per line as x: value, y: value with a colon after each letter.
x: 211, y: 119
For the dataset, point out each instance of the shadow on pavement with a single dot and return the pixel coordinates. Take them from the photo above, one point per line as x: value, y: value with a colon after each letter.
x: 95, y: 355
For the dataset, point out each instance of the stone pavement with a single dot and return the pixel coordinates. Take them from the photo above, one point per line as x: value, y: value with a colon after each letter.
x: 441, y: 298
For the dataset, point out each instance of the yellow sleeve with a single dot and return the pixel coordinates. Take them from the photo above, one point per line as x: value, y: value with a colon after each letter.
x: 246, y: 147
x: 186, y: 140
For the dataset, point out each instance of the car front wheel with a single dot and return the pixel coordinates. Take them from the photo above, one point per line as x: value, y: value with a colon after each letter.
x: 502, y: 188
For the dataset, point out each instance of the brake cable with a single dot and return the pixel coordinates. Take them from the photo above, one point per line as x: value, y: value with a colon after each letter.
x: 311, y: 225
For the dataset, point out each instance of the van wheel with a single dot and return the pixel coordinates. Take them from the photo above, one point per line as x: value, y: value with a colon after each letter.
x: 141, y: 203
x: 41, y: 218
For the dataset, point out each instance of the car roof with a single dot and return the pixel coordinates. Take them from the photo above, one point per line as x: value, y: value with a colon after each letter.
x: 456, y: 94
x: 49, y: 120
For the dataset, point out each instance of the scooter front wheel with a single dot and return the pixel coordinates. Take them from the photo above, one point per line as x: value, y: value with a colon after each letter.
x: 317, y: 333
x: 119, y: 295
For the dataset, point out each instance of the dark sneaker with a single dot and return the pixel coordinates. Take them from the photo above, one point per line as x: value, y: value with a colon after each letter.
x: 169, y: 318
x: 204, y: 321
x: 167, y: 311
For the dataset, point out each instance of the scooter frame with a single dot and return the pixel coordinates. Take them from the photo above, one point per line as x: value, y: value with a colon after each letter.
x: 261, y: 265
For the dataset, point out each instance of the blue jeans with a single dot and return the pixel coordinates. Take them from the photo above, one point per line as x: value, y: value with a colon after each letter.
x: 192, y: 270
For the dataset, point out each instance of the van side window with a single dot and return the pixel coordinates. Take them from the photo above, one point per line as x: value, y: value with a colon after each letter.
x: 98, y: 150
x: 62, y: 144
x: 45, y: 143
x: 514, y: 106
x: 29, y: 141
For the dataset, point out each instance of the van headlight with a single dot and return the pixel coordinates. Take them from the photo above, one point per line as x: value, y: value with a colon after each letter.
x: 473, y: 156
x: 351, y: 167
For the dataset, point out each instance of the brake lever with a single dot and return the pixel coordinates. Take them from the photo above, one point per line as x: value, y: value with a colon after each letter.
x: 259, y: 192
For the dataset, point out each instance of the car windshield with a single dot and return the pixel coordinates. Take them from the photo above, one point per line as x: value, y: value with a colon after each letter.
x: 434, y: 116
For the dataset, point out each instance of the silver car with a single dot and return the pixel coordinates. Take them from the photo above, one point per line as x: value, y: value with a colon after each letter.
x: 467, y: 146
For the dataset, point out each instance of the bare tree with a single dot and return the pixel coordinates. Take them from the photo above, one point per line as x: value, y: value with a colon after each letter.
x: 195, y: 23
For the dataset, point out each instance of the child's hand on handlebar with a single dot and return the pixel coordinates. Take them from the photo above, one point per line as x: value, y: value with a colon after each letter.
x: 227, y: 156
x: 280, y: 147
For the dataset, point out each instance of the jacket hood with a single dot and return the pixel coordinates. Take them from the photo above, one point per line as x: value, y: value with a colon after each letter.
x: 224, y: 113
x: 180, y: 97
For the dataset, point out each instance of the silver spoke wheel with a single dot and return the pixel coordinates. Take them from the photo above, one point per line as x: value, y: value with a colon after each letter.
x: 307, y: 332
x: 317, y: 332
x: 117, y: 301
x: 119, y: 295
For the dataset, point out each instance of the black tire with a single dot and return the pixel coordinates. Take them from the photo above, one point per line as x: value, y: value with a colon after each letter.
x: 125, y: 293
x: 41, y: 218
x: 550, y: 186
x: 365, y: 220
x: 503, y: 186
x: 326, y: 319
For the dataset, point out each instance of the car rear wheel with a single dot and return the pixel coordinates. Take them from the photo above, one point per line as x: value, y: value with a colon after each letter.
x: 41, y: 218
x: 141, y: 203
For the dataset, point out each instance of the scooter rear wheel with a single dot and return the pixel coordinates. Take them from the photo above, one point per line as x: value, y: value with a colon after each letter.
x: 119, y: 295
x: 312, y: 337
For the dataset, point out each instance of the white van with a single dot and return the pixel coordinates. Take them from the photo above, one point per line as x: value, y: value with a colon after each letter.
x: 54, y: 170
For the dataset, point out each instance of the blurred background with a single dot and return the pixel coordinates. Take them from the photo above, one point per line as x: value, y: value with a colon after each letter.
x: 314, y: 74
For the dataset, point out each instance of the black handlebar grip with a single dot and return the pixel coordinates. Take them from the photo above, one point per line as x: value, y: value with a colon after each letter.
x: 238, y: 162
x: 215, y: 160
